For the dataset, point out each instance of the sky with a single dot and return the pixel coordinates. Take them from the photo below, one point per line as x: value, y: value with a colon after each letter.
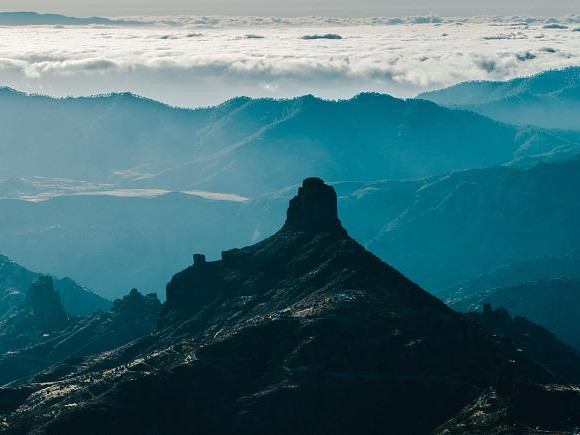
x: 192, y: 60
x: 340, y: 8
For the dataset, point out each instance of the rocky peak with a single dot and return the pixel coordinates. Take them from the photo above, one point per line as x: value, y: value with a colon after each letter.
x: 137, y: 305
x: 314, y: 209
x: 46, y: 305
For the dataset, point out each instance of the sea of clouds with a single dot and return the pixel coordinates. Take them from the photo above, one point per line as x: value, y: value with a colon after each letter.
x: 197, y: 61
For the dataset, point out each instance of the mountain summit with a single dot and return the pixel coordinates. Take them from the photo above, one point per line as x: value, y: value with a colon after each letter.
x: 314, y: 209
x: 304, y: 332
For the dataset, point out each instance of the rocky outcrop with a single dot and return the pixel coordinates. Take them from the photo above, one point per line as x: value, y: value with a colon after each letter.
x: 15, y: 281
x: 551, y: 303
x: 130, y: 318
x: 45, y: 303
x: 314, y: 209
x: 38, y: 316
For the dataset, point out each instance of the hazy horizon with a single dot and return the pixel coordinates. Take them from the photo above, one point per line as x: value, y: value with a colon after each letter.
x: 195, y: 61
x: 294, y: 8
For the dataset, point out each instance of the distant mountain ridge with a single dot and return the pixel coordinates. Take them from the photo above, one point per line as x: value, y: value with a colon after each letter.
x: 550, y: 99
x: 37, y: 19
x: 498, y: 215
x: 249, y: 147
x: 528, y: 270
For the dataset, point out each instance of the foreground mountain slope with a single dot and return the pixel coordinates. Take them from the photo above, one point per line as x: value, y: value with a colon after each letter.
x: 70, y: 341
x: 519, y: 408
x: 549, y: 100
x: 250, y: 146
x: 303, y: 332
x: 15, y: 281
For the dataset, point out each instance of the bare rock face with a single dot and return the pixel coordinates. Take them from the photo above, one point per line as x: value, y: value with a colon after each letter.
x: 314, y: 209
x: 46, y: 305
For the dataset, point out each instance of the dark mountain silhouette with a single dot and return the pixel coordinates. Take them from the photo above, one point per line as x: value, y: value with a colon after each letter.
x: 304, y: 332
x: 500, y: 216
x: 536, y: 341
x: 552, y: 303
x: 15, y: 281
x: 250, y: 146
x: 36, y: 19
x: 71, y: 340
x: 549, y: 100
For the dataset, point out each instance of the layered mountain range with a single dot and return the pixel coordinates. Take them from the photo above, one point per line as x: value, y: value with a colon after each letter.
x: 549, y: 100
x: 247, y: 146
x: 308, y: 332
x: 501, y: 216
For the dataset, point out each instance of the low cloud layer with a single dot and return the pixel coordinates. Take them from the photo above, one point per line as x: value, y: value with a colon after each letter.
x: 196, y: 61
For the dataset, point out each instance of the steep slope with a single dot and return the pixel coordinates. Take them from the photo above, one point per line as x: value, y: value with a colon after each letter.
x: 130, y: 318
x: 519, y: 408
x: 304, y: 332
x: 250, y: 146
x: 15, y: 281
x: 553, y: 304
x: 548, y: 100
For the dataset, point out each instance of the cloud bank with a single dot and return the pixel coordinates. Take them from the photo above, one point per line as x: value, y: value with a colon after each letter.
x: 196, y: 61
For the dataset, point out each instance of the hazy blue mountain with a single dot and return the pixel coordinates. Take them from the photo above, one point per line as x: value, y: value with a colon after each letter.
x: 250, y: 146
x: 500, y: 216
x: 549, y: 100
x: 115, y: 243
x: 36, y: 19
x: 553, y: 303
x: 497, y: 216
x: 529, y: 270
x: 15, y: 281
